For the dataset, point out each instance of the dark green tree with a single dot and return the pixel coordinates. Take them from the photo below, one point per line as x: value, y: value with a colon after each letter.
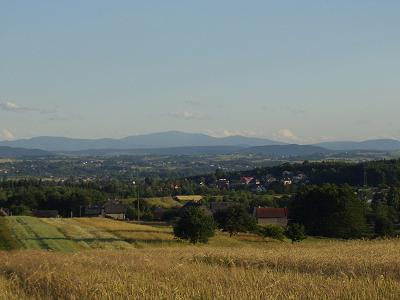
x: 295, y: 232
x: 330, y: 211
x: 384, y: 227
x: 385, y: 217
x: 393, y: 198
x: 235, y: 219
x: 195, y: 226
x: 131, y: 213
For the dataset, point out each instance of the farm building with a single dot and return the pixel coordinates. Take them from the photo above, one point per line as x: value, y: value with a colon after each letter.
x: 271, y: 216
x: 115, y: 211
x: 45, y: 213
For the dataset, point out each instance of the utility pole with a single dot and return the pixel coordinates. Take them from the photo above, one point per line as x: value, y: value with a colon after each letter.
x: 365, y: 177
x: 138, y: 202
x: 136, y: 185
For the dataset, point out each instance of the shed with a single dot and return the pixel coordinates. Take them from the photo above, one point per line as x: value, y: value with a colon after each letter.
x: 271, y: 216
x: 45, y: 213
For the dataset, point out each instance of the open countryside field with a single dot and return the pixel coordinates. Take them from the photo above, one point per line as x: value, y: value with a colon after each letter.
x: 105, y: 259
x: 77, y: 234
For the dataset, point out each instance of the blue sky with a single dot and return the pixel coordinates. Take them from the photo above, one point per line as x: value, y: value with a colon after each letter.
x: 302, y: 71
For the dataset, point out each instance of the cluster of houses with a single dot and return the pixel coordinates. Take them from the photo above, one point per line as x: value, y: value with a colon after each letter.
x: 258, y: 185
x: 264, y: 215
x: 117, y: 211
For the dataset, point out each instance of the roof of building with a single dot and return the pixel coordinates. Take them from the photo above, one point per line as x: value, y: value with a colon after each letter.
x: 115, y: 208
x: 246, y: 179
x: 45, y: 213
x: 270, y: 212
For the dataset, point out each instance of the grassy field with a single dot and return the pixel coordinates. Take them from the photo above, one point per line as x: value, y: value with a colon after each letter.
x: 163, y: 202
x: 69, y: 235
x: 152, y: 265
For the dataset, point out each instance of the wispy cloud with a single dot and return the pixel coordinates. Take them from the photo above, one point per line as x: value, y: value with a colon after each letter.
x: 295, y: 110
x: 186, y: 115
x: 12, y: 107
x: 226, y: 132
x: 6, y: 134
x: 287, y: 134
x: 192, y: 102
x: 15, y: 108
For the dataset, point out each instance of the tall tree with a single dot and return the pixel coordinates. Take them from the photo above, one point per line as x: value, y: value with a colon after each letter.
x: 235, y: 219
x: 195, y: 226
x: 329, y: 210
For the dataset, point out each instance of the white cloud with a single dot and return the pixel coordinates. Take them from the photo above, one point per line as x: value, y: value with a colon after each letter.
x: 7, y: 134
x: 10, y: 106
x: 287, y: 134
x: 226, y: 132
x: 192, y: 102
x: 186, y: 115
x: 295, y: 110
x: 13, y: 107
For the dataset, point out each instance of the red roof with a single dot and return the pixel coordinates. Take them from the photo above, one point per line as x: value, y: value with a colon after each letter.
x: 246, y: 179
x: 270, y: 212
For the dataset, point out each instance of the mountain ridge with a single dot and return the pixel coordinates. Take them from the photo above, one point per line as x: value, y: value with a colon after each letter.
x: 12, y: 152
x: 374, y: 144
x: 154, y: 140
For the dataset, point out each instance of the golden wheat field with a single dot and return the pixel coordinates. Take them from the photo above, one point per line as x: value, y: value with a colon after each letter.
x: 335, y: 270
x: 237, y: 268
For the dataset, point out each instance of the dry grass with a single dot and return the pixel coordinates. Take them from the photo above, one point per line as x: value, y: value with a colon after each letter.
x: 315, y: 270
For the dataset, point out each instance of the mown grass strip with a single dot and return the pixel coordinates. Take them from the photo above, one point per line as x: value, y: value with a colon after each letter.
x: 7, y: 239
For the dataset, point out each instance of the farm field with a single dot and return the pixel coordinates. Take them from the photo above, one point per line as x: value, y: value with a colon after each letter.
x: 69, y: 235
x: 105, y: 259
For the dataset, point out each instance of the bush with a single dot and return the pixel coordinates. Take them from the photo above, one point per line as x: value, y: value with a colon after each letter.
x: 384, y: 227
x: 131, y: 213
x: 194, y: 226
x: 273, y: 231
x: 295, y: 232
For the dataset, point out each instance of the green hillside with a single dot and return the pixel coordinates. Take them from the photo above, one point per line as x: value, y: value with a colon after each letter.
x: 76, y: 234
x: 93, y: 233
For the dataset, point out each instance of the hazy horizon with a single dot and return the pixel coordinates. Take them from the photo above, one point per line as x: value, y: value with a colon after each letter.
x: 297, y: 72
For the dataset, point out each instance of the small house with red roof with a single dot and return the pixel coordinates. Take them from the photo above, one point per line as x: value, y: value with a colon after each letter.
x: 271, y: 216
x: 246, y: 180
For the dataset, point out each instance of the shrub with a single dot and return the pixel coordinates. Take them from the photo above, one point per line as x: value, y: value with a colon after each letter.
x: 295, y: 232
x: 384, y: 227
x: 273, y: 231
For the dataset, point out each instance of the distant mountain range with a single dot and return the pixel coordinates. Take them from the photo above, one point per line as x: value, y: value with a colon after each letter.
x: 287, y: 150
x: 180, y: 143
x: 377, y: 145
x: 155, y: 140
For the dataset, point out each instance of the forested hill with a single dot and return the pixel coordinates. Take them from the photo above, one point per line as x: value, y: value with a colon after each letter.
x: 11, y: 152
x: 377, y: 172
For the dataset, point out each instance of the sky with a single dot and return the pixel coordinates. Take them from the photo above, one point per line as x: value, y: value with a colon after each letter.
x: 298, y: 71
